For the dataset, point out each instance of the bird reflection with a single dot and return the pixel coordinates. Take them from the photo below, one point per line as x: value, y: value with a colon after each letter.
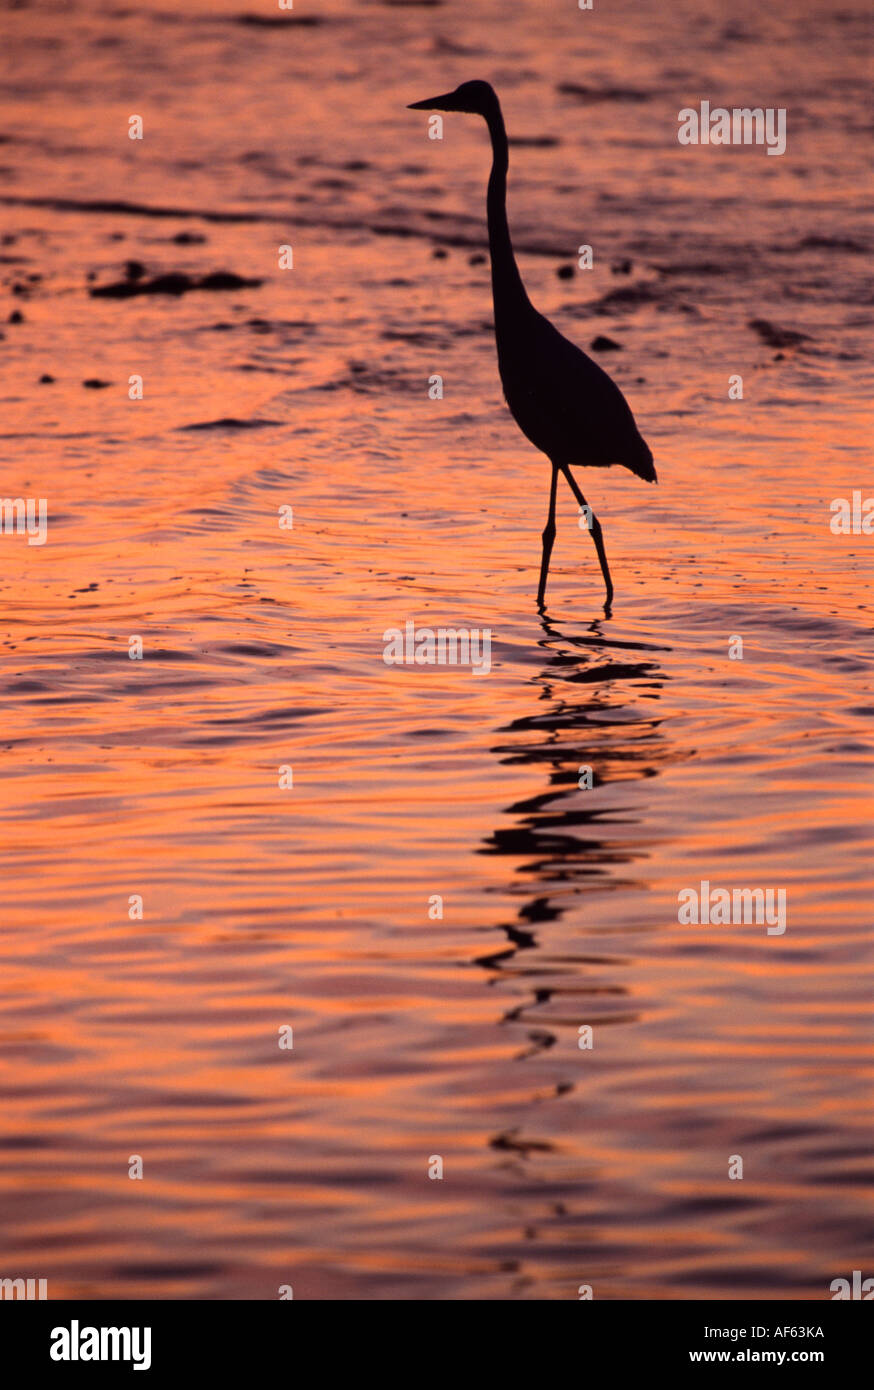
x: 596, y: 708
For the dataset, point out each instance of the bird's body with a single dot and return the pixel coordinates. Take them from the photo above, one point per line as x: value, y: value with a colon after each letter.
x: 561, y: 400
x: 566, y: 404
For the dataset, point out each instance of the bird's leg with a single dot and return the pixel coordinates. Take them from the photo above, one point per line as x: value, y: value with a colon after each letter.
x: 548, y: 538
x: 597, y: 536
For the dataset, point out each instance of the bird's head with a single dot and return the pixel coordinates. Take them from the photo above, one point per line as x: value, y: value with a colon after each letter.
x: 475, y: 98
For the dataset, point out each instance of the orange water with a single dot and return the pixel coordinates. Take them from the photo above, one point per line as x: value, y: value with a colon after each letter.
x: 263, y: 648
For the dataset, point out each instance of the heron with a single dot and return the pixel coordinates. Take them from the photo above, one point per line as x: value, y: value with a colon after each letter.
x: 562, y: 401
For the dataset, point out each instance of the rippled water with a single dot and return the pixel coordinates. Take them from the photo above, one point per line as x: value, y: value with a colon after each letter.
x: 309, y: 907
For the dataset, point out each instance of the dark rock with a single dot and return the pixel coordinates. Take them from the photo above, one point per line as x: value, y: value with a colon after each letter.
x: 593, y: 94
x: 293, y: 21
x: 532, y: 142
x: 626, y: 296
x: 777, y: 337
x: 230, y: 423
x: 602, y: 344
x: 225, y: 280
x: 175, y: 283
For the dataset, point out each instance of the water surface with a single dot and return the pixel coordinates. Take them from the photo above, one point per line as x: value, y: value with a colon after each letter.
x: 309, y: 907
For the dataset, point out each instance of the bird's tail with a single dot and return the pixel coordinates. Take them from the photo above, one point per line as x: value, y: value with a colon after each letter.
x: 641, y: 462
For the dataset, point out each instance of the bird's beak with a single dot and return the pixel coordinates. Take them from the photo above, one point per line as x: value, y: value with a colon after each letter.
x: 443, y: 103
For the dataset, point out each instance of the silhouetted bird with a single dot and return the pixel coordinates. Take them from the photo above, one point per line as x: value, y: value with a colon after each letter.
x: 560, y: 399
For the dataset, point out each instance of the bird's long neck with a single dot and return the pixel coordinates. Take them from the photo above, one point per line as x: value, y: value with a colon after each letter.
x: 508, y: 291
